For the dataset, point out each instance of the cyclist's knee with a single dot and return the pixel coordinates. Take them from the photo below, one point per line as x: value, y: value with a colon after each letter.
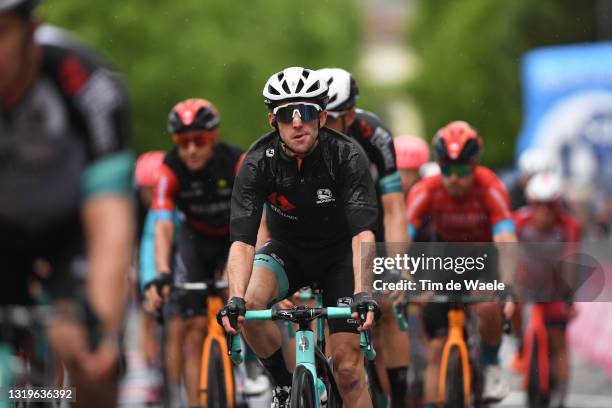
x: 348, y: 366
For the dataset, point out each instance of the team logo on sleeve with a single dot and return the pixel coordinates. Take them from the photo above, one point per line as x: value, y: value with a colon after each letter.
x: 269, y: 152
x: 324, y: 195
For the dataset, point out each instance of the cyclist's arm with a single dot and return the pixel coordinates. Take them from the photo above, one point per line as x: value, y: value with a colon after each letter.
x: 108, y: 220
x: 146, y: 252
x: 417, y: 205
x: 164, y: 206
x: 107, y: 211
x: 362, y: 253
x: 394, y: 218
x: 503, y: 230
x: 248, y: 197
x: 359, y: 197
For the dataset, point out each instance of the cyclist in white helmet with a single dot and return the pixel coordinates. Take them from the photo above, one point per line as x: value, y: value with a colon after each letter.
x: 377, y: 141
x: 532, y: 161
x: 321, y: 207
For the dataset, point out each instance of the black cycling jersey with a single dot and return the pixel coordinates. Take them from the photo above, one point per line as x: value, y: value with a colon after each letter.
x: 377, y: 141
x: 62, y: 143
x: 323, y: 199
x: 203, y: 196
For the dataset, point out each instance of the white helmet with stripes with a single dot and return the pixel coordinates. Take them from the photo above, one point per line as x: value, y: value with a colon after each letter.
x: 295, y: 83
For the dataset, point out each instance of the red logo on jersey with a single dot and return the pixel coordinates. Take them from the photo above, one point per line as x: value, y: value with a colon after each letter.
x: 280, y: 201
x: 366, y: 130
x: 73, y: 75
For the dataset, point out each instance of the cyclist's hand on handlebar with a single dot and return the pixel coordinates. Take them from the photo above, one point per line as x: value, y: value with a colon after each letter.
x: 366, y: 306
x: 285, y: 304
x: 231, y: 317
x: 157, y: 289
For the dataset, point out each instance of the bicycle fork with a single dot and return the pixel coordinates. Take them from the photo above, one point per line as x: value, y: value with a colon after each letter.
x: 456, y: 320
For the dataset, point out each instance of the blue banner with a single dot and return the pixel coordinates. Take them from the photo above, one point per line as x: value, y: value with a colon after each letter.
x: 567, y: 93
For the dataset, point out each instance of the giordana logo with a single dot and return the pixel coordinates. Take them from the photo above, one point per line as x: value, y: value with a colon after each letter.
x: 270, y: 152
x: 324, y: 195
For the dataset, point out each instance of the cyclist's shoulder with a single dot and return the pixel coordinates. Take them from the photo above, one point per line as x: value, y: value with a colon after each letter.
x: 429, y: 184
x: 339, y: 146
x: 485, y: 177
x: 66, y: 57
x: 366, y: 124
x: 263, y: 144
x: 228, y: 151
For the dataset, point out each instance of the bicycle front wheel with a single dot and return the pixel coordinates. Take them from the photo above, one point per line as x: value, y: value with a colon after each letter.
x: 215, y: 390
x: 535, y: 398
x: 455, y: 397
x: 302, y: 389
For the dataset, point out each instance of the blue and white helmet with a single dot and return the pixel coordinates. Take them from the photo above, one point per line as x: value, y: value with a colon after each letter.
x: 295, y: 83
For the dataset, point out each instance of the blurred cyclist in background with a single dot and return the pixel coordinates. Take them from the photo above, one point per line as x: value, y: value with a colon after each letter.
x: 66, y: 186
x: 377, y: 141
x: 196, y: 177
x: 465, y: 203
x: 544, y: 220
x: 146, y: 173
x: 411, y: 153
x: 531, y: 162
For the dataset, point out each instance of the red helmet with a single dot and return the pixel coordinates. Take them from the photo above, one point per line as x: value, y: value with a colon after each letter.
x: 457, y: 143
x: 147, y: 166
x: 410, y: 151
x: 193, y: 114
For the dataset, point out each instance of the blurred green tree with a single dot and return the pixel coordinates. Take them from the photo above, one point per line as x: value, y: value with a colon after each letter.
x: 222, y: 51
x: 471, y: 52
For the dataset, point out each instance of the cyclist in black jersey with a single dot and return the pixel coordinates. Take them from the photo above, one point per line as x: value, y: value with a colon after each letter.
x: 377, y: 141
x: 321, y: 207
x: 65, y: 188
x: 196, y: 178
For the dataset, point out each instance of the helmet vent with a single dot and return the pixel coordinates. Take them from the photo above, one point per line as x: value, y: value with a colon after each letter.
x: 299, y: 86
x: 286, y: 87
x: 280, y: 76
x: 272, y: 90
x: 313, y: 87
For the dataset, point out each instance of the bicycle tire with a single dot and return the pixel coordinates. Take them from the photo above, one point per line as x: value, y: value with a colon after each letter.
x: 535, y: 398
x: 302, y: 389
x: 455, y: 397
x: 334, y: 400
x: 215, y: 387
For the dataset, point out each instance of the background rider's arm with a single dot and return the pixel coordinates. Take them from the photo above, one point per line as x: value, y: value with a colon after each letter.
x: 359, y: 198
x: 394, y: 218
x: 504, y: 230
x: 363, y: 253
x: 164, y: 206
x: 164, y: 235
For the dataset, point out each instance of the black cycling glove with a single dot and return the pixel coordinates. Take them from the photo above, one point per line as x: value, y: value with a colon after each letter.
x: 235, y: 307
x: 365, y: 303
x: 161, y: 280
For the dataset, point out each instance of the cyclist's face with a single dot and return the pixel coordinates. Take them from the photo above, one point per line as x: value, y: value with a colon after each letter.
x: 299, y: 136
x: 15, y: 40
x: 195, y: 148
x: 342, y: 122
x: 543, y: 215
x: 458, y: 186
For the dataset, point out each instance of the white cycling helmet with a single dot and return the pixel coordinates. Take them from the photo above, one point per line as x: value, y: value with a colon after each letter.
x: 295, y: 83
x: 544, y: 187
x: 343, y: 90
x: 536, y: 160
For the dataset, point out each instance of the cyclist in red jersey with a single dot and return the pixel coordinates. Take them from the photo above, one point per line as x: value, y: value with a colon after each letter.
x: 197, y: 178
x: 543, y: 220
x: 465, y: 203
